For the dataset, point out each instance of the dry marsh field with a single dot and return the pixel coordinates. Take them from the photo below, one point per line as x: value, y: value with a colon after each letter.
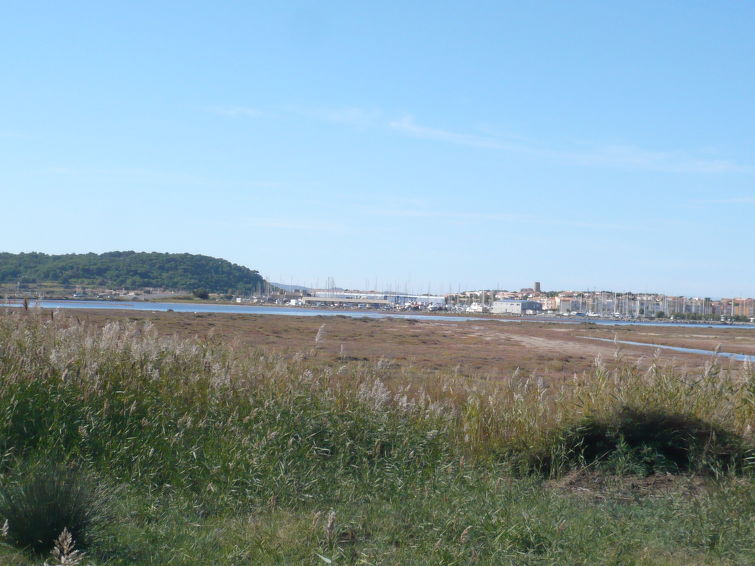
x: 181, y: 439
x: 488, y: 349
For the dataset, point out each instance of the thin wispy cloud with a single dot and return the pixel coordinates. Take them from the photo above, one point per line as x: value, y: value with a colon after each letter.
x: 350, y: 115
x: 625, y: 156
x: 406, y: 125
x: 476, y: 217
x: 617, y: 156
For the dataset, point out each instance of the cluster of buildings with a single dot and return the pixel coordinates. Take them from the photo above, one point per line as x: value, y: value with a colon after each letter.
x: 532, y: 301
x: 529, y: 301
x: 606, y: 304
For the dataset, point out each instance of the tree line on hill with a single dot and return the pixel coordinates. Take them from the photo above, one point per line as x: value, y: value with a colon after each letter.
x: 130, y: 270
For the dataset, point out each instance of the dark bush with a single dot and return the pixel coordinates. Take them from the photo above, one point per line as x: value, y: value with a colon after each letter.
x: 42, y: 500
x: 652, y: 442
x: 201, y: 293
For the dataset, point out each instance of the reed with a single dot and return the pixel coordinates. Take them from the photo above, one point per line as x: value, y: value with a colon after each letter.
x: 212, y: 430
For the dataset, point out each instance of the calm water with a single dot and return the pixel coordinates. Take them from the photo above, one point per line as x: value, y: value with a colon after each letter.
x: 293, y: 311
x: 241, y: 309
x: 739, y: 357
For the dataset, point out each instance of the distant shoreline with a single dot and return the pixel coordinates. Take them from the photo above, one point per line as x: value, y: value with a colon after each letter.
x: 241, y: 308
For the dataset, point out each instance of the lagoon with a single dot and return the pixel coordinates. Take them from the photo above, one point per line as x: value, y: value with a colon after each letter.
x: 298, y: 311
x: 730, y: 355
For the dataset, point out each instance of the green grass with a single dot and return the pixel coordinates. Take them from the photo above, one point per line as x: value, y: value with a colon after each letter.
x: 225, y: 456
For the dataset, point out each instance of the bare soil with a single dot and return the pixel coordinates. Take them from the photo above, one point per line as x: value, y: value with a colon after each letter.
x: 595, y: 486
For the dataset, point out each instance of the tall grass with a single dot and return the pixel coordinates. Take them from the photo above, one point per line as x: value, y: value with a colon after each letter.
x: 201, y: 415
x: 211, y: 429
x: 197, y: 416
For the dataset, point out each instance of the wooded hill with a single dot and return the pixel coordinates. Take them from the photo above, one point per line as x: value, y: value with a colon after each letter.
x: 130, y: 270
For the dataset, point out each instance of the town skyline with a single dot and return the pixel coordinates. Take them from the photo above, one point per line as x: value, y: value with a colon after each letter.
x: 407, y: 286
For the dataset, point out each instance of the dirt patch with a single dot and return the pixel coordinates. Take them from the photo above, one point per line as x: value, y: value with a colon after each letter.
x: 486, y: 349
x: 598, y: 487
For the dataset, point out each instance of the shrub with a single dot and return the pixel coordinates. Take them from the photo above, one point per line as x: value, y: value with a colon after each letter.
x: 201, y: 293
x: 43, y: 500
x: 651, y: 441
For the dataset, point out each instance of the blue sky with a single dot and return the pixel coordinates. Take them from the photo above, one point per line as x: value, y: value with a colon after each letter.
x: 423, y: 145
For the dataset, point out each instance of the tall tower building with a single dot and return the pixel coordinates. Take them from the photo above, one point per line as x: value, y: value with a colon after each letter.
x: 537, y: 286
